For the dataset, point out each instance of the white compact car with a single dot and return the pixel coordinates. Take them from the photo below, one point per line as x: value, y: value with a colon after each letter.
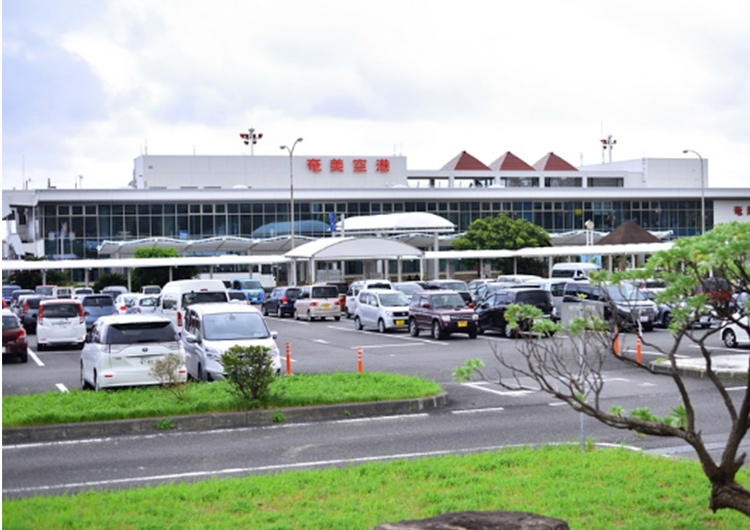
x: 60, y: 322
x: 211, y: 329
x: 384, y: 309
x: 122, y: 349
x: 735, y: 334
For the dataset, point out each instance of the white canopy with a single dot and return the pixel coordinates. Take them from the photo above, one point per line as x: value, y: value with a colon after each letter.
x: 347, y: 248
x: 396, y: 223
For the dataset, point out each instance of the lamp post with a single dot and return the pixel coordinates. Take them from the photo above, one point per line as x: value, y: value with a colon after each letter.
x: 703, y: 190
x: 290, y: 150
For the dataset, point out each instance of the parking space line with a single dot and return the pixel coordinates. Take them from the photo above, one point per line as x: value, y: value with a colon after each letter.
x: 480, y: 386
x: 476, y: 411
x: 62, y: 388
x: 36, y: 359
x: 407, y: 337
x: 375, y: 346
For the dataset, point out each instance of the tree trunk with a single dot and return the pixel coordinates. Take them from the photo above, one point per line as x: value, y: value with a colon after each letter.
x: 730, y: 495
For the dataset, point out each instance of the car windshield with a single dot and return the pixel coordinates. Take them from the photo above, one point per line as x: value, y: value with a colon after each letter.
x: 97, y: 301
x: 448, y: 301
x: 234, y: 326
x: 626, y: 292
x: 61, y: 310
x: 249, y: 284
x: 536, y: 298
x: 325, y: 291
x: 46, y: 290
x: 204, y: 297
x: 394, y: 300
x: 10, y: 322
x: 33, y: 303
x: 137, y: 332
x: 455, y: 286
x: 409, y: 289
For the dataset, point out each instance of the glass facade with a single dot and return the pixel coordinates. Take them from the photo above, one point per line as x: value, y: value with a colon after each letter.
x: 77, y: 229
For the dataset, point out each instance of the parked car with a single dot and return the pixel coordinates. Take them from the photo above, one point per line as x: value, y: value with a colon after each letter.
x: 491, y: 312
x: 622, y: 304
x: 735, y: 334
x: 27, y: 308
x: 122, y: 349
x: 147, y: 304
x: 385, y: 309
x: 238, y: 297
x: 126, y: 303
x: 60, y: 322
x: 575, y: 271
x: 486, y: 289
x: 81, y: 291
x: 17, y: 294
x: 114, y: 290
x: 556, y: 287
x: 519, y: 278
x: 409, y: 288
x: 441, y: 313
x: 664, y: 313
x: 317, y: 301
x: 251, y: 287
x: 95, y: 306
x: 151, y: 289
x: 343, y: 288
x: 452, y: 285
x: 177, y: 295
x: 356, y: 287
x: 62, y: 291
x: 8, y: 291
x: 45, y: 290
x: 281, y: 301
x: 14, y: 338
x: 211, y: 329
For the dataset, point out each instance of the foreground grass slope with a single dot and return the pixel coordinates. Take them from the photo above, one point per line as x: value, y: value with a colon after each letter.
x: 200, y: 398
x: 599, y: 489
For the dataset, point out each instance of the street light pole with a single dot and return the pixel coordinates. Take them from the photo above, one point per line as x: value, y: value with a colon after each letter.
x: 703, y: 191
x: 290, y: 150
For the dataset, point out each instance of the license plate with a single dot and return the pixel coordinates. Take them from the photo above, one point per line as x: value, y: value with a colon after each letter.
x: 644, y: 319
x: 148, y: 361
x: 400, y: 322
x: 462, y: 324
x: 326, y: 306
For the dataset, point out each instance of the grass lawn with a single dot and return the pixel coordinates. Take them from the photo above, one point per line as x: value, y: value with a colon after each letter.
x: 201, y: 398
x: 599, y: 489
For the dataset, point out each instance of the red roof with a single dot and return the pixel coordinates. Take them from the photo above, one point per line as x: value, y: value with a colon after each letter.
x: 510, y: 162
x: 464, y: 161
x: 552, y: 162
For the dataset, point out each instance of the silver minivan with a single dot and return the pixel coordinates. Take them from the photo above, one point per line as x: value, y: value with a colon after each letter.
x: 384, y: 309
x: 211, y: 329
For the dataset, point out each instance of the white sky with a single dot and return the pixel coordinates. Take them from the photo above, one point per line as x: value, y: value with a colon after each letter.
x: 90, y: 85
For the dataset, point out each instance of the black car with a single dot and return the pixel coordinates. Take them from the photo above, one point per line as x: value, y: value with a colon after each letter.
x: 623, y: 305
x: 281, y: 301
x: 491, y: 311
x: 441, y: 313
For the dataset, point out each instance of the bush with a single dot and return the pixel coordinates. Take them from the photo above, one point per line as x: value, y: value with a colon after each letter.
x: 249, y: 370
x: 167, y: 371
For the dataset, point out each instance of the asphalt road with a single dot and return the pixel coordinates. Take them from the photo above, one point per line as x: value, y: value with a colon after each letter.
x: 480, y: 416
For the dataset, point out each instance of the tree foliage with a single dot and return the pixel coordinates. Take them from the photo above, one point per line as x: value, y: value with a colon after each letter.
x: 159, y: 275
x: 504, y: 232
x: 702, y: 273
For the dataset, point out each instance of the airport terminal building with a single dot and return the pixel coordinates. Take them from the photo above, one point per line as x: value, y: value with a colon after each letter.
x: 242, y: 204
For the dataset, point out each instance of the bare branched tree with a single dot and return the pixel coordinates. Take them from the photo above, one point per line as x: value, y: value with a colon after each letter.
x: 704, y: 275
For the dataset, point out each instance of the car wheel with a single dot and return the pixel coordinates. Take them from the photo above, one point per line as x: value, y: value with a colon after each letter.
x: 84, y: 384
x: 24, y: 357
x: 201, y: 374
x: 473, y: 333
x: 508, y: 332
x: 413, y: 328
x: 337, y: 318
x: 480, y: 329
x: 296, y: 314
x: 80, y: 345
x: 41, y: 347
x: 309, y: 316
x: 97, y: 386
x: 437, y: 331
x: 666, y: 320
x: 357, y: 324
x: 730, y: 338
x: 265, y: 311
x: 381, y: 326
x: 648, y: 327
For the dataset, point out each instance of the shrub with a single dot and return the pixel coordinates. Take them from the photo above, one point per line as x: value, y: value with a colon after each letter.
x: 249, y: 370
x: 166, y: 370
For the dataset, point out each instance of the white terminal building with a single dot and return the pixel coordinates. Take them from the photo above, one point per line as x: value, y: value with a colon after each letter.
x: 209, y: 205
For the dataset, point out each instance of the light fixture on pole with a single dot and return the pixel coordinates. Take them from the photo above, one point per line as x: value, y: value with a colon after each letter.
x: 703, y: 190
x: 251, y: 138
x: 290, y: 150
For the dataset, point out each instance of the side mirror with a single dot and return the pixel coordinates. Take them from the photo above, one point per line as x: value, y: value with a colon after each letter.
x: 274, y: 335
x: 191, y: 339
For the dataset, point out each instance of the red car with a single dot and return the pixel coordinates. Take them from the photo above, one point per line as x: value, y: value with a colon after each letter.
x: 14, y: 338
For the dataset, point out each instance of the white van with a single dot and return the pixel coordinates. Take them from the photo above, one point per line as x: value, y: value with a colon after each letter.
x: 575, y: 271
x: 62, y: 292
x: 177, y: 295
x: 353, y: 292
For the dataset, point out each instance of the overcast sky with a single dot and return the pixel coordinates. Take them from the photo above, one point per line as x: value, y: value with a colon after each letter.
x: 88, y: 86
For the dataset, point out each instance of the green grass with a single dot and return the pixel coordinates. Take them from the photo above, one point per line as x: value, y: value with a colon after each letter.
x: 146, y: 402
x: 599, y: 489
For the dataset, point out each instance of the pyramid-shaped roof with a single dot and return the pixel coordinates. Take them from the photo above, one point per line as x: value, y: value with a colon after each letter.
x: 510, y: 162
x: 552, y: 162
x: 628, y: 232
x: 464, y: 161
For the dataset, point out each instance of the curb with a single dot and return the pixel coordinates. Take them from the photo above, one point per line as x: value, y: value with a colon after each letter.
x: 227, y: 420
x: 699, y: 371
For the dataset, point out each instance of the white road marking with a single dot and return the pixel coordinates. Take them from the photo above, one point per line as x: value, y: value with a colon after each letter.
x: 475, y: 411
x: 512, y: 393
x: 375, y: 346
x: 36, y: 359
x: 62, y: 388
x: 321, y: 341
